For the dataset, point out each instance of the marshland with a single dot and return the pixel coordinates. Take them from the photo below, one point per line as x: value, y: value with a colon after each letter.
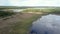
x: 29, y: 20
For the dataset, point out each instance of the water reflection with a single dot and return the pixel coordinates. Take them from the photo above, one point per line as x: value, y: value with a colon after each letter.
x: 49, y: 24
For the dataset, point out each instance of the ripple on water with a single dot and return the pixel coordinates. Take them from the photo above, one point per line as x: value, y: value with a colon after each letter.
x: 48, y: 24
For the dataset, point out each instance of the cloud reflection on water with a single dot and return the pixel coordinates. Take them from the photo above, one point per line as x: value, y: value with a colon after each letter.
x: 49, y: 24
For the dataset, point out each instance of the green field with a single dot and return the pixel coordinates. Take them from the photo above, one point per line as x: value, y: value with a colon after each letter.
x: 25, y: 20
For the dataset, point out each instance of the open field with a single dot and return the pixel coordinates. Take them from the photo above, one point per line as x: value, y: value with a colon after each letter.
x: 22, y: 21
x: 19, y: 24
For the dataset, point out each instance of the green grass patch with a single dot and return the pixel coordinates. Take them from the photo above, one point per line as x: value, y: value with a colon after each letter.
x: 23, y: 26
x: 5, y: 13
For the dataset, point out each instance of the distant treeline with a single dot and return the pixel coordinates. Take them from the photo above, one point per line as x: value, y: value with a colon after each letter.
x: 24, y: 7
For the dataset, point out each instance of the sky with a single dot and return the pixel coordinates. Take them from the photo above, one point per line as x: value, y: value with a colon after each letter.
x: 29, y: 2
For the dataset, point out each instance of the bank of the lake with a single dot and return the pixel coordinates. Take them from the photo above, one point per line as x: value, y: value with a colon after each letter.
x: 20, y: 23
x: 23, y: 26
x: 47, y: 24
x: 20, y: 26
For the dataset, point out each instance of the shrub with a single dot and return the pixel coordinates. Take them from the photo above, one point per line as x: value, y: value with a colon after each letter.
x: 4, y: 13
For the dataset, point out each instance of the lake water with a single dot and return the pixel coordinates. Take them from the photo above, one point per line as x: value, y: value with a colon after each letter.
x: 48, y: 24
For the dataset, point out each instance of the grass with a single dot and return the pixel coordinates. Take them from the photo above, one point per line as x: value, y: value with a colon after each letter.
x: 5, y: 13
x: 22, y: 27
x: 49, y: 11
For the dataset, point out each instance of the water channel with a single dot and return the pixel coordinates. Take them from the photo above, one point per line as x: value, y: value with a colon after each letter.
x: 48, y: 24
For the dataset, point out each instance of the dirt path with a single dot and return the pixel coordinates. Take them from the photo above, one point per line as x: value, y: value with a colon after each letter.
x: 19, y: 22
x: 13, y: 19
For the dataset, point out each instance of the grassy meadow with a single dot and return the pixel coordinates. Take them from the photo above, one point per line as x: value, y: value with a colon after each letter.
x: 23, y: 20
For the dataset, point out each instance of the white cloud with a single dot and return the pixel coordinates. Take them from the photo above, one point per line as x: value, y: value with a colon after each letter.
x: 14, y: 2
x: 22, y: 3
x: 2, y: 2
x: 32, y: 2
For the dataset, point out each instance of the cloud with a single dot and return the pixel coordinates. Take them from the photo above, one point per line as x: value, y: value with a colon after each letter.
x: 30, y: 2
x: 22, y: 3
x: 4, y: 3
x: 35, y: 2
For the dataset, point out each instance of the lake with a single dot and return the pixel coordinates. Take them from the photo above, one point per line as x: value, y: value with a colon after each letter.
x: 48, y: 24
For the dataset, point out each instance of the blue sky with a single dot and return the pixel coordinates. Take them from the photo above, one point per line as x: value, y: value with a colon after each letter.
x: 29, y: 2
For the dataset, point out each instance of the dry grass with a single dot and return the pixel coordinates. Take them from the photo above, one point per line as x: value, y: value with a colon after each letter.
x: 19, y: 24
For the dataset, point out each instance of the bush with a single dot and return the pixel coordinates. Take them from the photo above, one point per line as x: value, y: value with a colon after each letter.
x: 4, y: 13
x: 55, y: 11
